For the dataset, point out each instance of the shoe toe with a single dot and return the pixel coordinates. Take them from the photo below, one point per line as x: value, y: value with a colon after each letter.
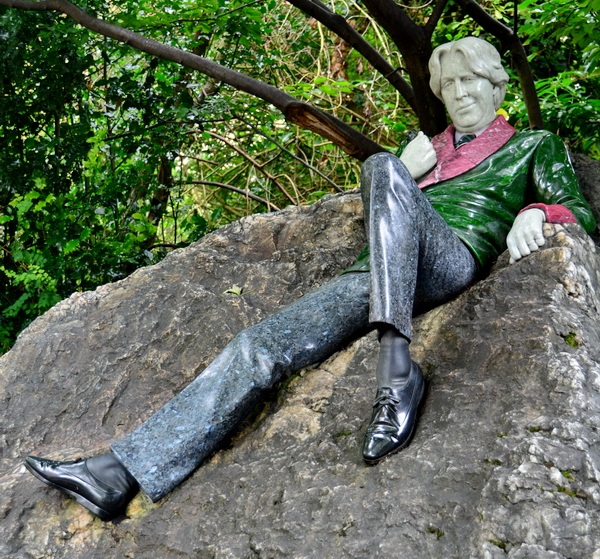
x: 42, y: 468
x: 378, y: 447
x: 74, y: 479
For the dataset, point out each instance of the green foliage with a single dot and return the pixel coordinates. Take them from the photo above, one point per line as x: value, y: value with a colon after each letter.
x: 560, y: 22
x: 571, y: 339
x: 564, y: 46
x: 110, y: 158
x: 75, y: 210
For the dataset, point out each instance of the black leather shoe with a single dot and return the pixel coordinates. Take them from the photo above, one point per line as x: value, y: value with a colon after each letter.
x: 394, y: 418
x: 106, y: 500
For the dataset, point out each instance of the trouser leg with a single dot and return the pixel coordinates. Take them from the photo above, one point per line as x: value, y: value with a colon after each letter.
x: 417, y: 261
x: 171, y: 444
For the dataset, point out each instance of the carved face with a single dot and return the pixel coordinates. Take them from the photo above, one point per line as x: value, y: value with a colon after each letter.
x: 468, y: 97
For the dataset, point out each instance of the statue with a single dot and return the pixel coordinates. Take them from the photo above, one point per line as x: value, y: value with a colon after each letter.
x: 481, y: 186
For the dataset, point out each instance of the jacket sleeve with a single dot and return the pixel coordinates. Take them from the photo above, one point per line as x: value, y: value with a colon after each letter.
x: 556, y: 183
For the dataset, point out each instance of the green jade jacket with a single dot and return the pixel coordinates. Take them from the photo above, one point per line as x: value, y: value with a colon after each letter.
x: 480, y: 187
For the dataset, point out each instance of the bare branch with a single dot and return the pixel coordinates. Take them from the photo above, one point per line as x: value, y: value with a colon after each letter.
x: 239, y: 191
x: 283, y: 148
x: 435, y: 16
x: 343, y: 29
x: 255, y: 164
x: 414, y: 43
x: 415, y: 7
x: 239, y: 8
x: 200, y: 159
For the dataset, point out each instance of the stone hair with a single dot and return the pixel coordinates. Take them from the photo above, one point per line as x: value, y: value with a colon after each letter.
x: 481, y: 57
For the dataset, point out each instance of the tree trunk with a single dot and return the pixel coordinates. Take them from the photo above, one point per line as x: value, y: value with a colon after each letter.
x: 414, y: 43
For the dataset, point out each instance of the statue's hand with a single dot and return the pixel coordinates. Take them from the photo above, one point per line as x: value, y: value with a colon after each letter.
x: 526, y: 234
x: 419, y: 156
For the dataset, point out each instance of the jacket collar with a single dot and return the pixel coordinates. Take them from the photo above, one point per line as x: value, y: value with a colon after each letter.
x: 453, y: 162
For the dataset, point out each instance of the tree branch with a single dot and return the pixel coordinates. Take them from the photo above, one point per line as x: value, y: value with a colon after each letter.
x: 297, y: 112
x: 435, y: 16
x: 284, y: 149
x: 239, y: 191
x: 414, y: 43
x: 343, y: 29
x: 255, y: 164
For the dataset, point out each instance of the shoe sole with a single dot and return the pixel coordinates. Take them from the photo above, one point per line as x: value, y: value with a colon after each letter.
x: 410, y: 436
x: 99, y: 512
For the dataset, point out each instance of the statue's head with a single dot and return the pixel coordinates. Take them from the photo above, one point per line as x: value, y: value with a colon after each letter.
x: 467, y: 75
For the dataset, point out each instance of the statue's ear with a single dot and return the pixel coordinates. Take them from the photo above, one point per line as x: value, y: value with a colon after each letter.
x: 498, y: 96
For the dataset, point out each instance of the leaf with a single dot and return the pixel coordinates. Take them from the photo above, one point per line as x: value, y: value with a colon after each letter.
x: 71, y: 246
x: 235, y: 290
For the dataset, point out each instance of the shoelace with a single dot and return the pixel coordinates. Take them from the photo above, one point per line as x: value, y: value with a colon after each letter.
x: 386, y: 399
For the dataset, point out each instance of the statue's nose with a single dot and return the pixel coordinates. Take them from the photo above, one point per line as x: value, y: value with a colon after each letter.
x: 459, y: 89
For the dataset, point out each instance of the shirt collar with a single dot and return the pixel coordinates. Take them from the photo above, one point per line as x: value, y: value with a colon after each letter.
x: 458, y: 135
x: 452, y: 162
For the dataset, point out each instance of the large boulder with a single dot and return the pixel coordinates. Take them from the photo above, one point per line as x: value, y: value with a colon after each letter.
x: 588, y: 171
x: 505, y: 461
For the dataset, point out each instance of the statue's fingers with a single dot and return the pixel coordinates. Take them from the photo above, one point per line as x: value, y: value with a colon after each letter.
x: 536, y: 240
x: 523, y: 246
x: 530, y: 239
x: 540, y: 239
x: 513, y: 249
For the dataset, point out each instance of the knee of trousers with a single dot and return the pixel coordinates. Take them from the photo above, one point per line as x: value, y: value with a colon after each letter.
x: 384, y: 171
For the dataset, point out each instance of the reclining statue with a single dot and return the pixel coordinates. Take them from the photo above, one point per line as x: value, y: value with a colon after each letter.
x: 436, y: 218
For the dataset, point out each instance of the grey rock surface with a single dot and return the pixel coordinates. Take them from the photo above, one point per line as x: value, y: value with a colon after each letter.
x: 588, y: 172
x: 505, y: 462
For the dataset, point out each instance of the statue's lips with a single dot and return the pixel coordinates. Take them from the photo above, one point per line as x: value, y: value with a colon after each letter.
x: 466, y: 108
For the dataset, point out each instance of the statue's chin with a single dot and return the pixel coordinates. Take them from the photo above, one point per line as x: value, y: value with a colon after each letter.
x: 470, y: 123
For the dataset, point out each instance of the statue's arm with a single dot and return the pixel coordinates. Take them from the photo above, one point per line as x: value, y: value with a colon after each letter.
x: 556, y: 186
x: 559, y: 199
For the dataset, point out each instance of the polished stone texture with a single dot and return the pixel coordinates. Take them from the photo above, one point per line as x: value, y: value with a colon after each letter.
x: 408, y: 237
x: 170, y: 445
x: 416, y: 259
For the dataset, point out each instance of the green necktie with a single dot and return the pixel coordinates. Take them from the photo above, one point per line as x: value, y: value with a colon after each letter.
x: 464, y: 139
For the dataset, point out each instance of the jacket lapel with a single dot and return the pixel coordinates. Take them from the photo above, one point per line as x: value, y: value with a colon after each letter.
x: 453, y: 162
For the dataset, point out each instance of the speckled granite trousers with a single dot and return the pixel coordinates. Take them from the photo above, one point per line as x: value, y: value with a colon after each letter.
x: 416, y: 260
x: 172, y: 443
